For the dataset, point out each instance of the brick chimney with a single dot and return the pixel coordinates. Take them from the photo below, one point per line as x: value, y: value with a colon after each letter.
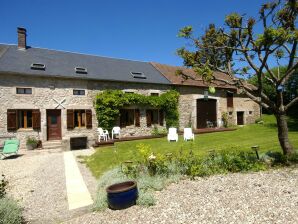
x: 22, y: 38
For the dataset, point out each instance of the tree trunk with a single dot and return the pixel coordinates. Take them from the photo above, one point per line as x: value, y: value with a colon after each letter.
x: 283, y: 137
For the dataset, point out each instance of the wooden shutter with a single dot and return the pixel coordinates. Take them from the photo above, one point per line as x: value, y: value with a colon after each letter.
x: 149, y: 118
x: 89, y: 119
x: 36, y: 119
x: 70, y: 119
x: 161, y: 117
x: 11, y: 120
x: 137, y: 117
x: 122, y: 118
x: 230, y: 99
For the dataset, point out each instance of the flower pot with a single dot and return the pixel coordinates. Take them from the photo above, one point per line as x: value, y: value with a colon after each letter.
x: 31, y: 146
x: 122, y: 195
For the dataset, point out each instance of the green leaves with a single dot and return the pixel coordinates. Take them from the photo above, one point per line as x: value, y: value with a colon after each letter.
x: 185, y: 32
x: 273, y: 36
x: 108, y: 104
x: 234, y: 20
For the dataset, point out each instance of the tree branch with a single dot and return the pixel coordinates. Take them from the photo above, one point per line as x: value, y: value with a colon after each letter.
x: 294, y: 101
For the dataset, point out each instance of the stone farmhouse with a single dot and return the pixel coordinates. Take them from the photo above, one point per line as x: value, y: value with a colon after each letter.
x: 49, y: 94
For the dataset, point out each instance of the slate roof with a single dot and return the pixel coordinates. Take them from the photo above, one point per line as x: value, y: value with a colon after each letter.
x: 62, y: 64
x: 170, y: 73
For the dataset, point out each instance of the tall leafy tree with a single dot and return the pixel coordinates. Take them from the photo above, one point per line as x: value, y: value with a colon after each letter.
x: 247, y: 45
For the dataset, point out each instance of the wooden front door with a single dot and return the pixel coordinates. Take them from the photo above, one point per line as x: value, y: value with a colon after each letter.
x: 206, y: 111
x: 240, y: 118
x: 54, y: 124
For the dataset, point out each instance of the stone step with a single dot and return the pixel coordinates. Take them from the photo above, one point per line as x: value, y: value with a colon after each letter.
x: 51, y: 144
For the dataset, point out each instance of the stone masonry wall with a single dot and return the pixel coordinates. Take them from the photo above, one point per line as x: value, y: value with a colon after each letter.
x: 188, y: 106
x: 45, y: 90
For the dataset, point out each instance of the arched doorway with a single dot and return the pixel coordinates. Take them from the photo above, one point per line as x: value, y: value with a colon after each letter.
x: 206, y: 111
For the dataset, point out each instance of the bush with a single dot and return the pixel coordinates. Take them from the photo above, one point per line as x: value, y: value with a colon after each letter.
x: 146, y: 198
x: 10, y: 212
x: 158, y: 131
x: 224, y: 117
x: 31, y: 141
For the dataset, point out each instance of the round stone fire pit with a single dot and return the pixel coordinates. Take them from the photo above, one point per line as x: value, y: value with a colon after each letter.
x: 122, y: 195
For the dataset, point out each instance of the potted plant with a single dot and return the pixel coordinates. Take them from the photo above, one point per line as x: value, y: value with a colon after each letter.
x: 31, y: 143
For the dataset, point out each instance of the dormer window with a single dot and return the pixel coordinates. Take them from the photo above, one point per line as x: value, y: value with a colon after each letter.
x: 81, y: 70
x: 138, y: 75
x: 38, y: 66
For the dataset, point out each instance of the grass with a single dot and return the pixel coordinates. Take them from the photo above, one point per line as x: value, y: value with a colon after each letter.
x: 243, y: 138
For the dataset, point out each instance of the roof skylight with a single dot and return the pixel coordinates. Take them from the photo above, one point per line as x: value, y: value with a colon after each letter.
x: 138, y: 75
x: 81, y: 70
x: 38, y: 66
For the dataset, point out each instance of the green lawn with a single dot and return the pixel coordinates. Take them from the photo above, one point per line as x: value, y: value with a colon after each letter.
x: 242, y: 139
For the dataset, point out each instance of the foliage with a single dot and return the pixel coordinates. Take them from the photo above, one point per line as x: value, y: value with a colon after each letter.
x: 158, y: 131
x: 224, y: 117
x: 290, y: 91
x: 10, y: 212
x: 109, y: 102
x: 147, y: 184
x: 31, y: 141
x: 3, y: 186
x: 146, y: 198
x: 249, y: 46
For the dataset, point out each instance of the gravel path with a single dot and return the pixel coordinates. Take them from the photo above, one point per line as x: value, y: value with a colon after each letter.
x: 264, y: 197
x: 37, y: 181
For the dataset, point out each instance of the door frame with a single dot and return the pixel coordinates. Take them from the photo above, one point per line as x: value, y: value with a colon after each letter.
x: 216, y: 109
x: 47, y: 114
x: 243, y: 119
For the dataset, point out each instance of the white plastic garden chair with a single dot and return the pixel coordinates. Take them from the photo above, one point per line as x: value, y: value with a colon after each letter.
x: 188, y: 135
x: 102, y: 134
x: 172, y: 135
x: 115, y: 131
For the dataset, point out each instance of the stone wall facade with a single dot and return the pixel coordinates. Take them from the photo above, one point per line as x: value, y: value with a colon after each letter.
x: 46, y: 92
x: 188, y: 106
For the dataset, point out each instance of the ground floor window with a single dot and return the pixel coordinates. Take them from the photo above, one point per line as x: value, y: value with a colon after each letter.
x: 19, y: 119
x: 79, y: 118
x: 24, y: 118
x: 127, y: 117
x: 154, y: 117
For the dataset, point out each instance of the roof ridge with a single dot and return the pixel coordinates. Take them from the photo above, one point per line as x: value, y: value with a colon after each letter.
x: 79, y: 53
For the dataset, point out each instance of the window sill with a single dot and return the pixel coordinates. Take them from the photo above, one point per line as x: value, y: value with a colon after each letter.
x: 79, y: 128
x: 25, y: 129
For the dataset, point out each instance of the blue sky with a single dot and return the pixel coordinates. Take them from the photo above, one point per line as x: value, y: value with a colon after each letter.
x: 131, y: 29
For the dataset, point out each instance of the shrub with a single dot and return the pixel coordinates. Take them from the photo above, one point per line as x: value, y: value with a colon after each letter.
x: 31, y: 141
x: 146, y: 198
x: 10, y: 212
x: 224, y: 118
x: 158, y: 131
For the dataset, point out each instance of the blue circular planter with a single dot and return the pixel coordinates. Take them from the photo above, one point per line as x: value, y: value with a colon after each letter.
x: 122, y: 195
